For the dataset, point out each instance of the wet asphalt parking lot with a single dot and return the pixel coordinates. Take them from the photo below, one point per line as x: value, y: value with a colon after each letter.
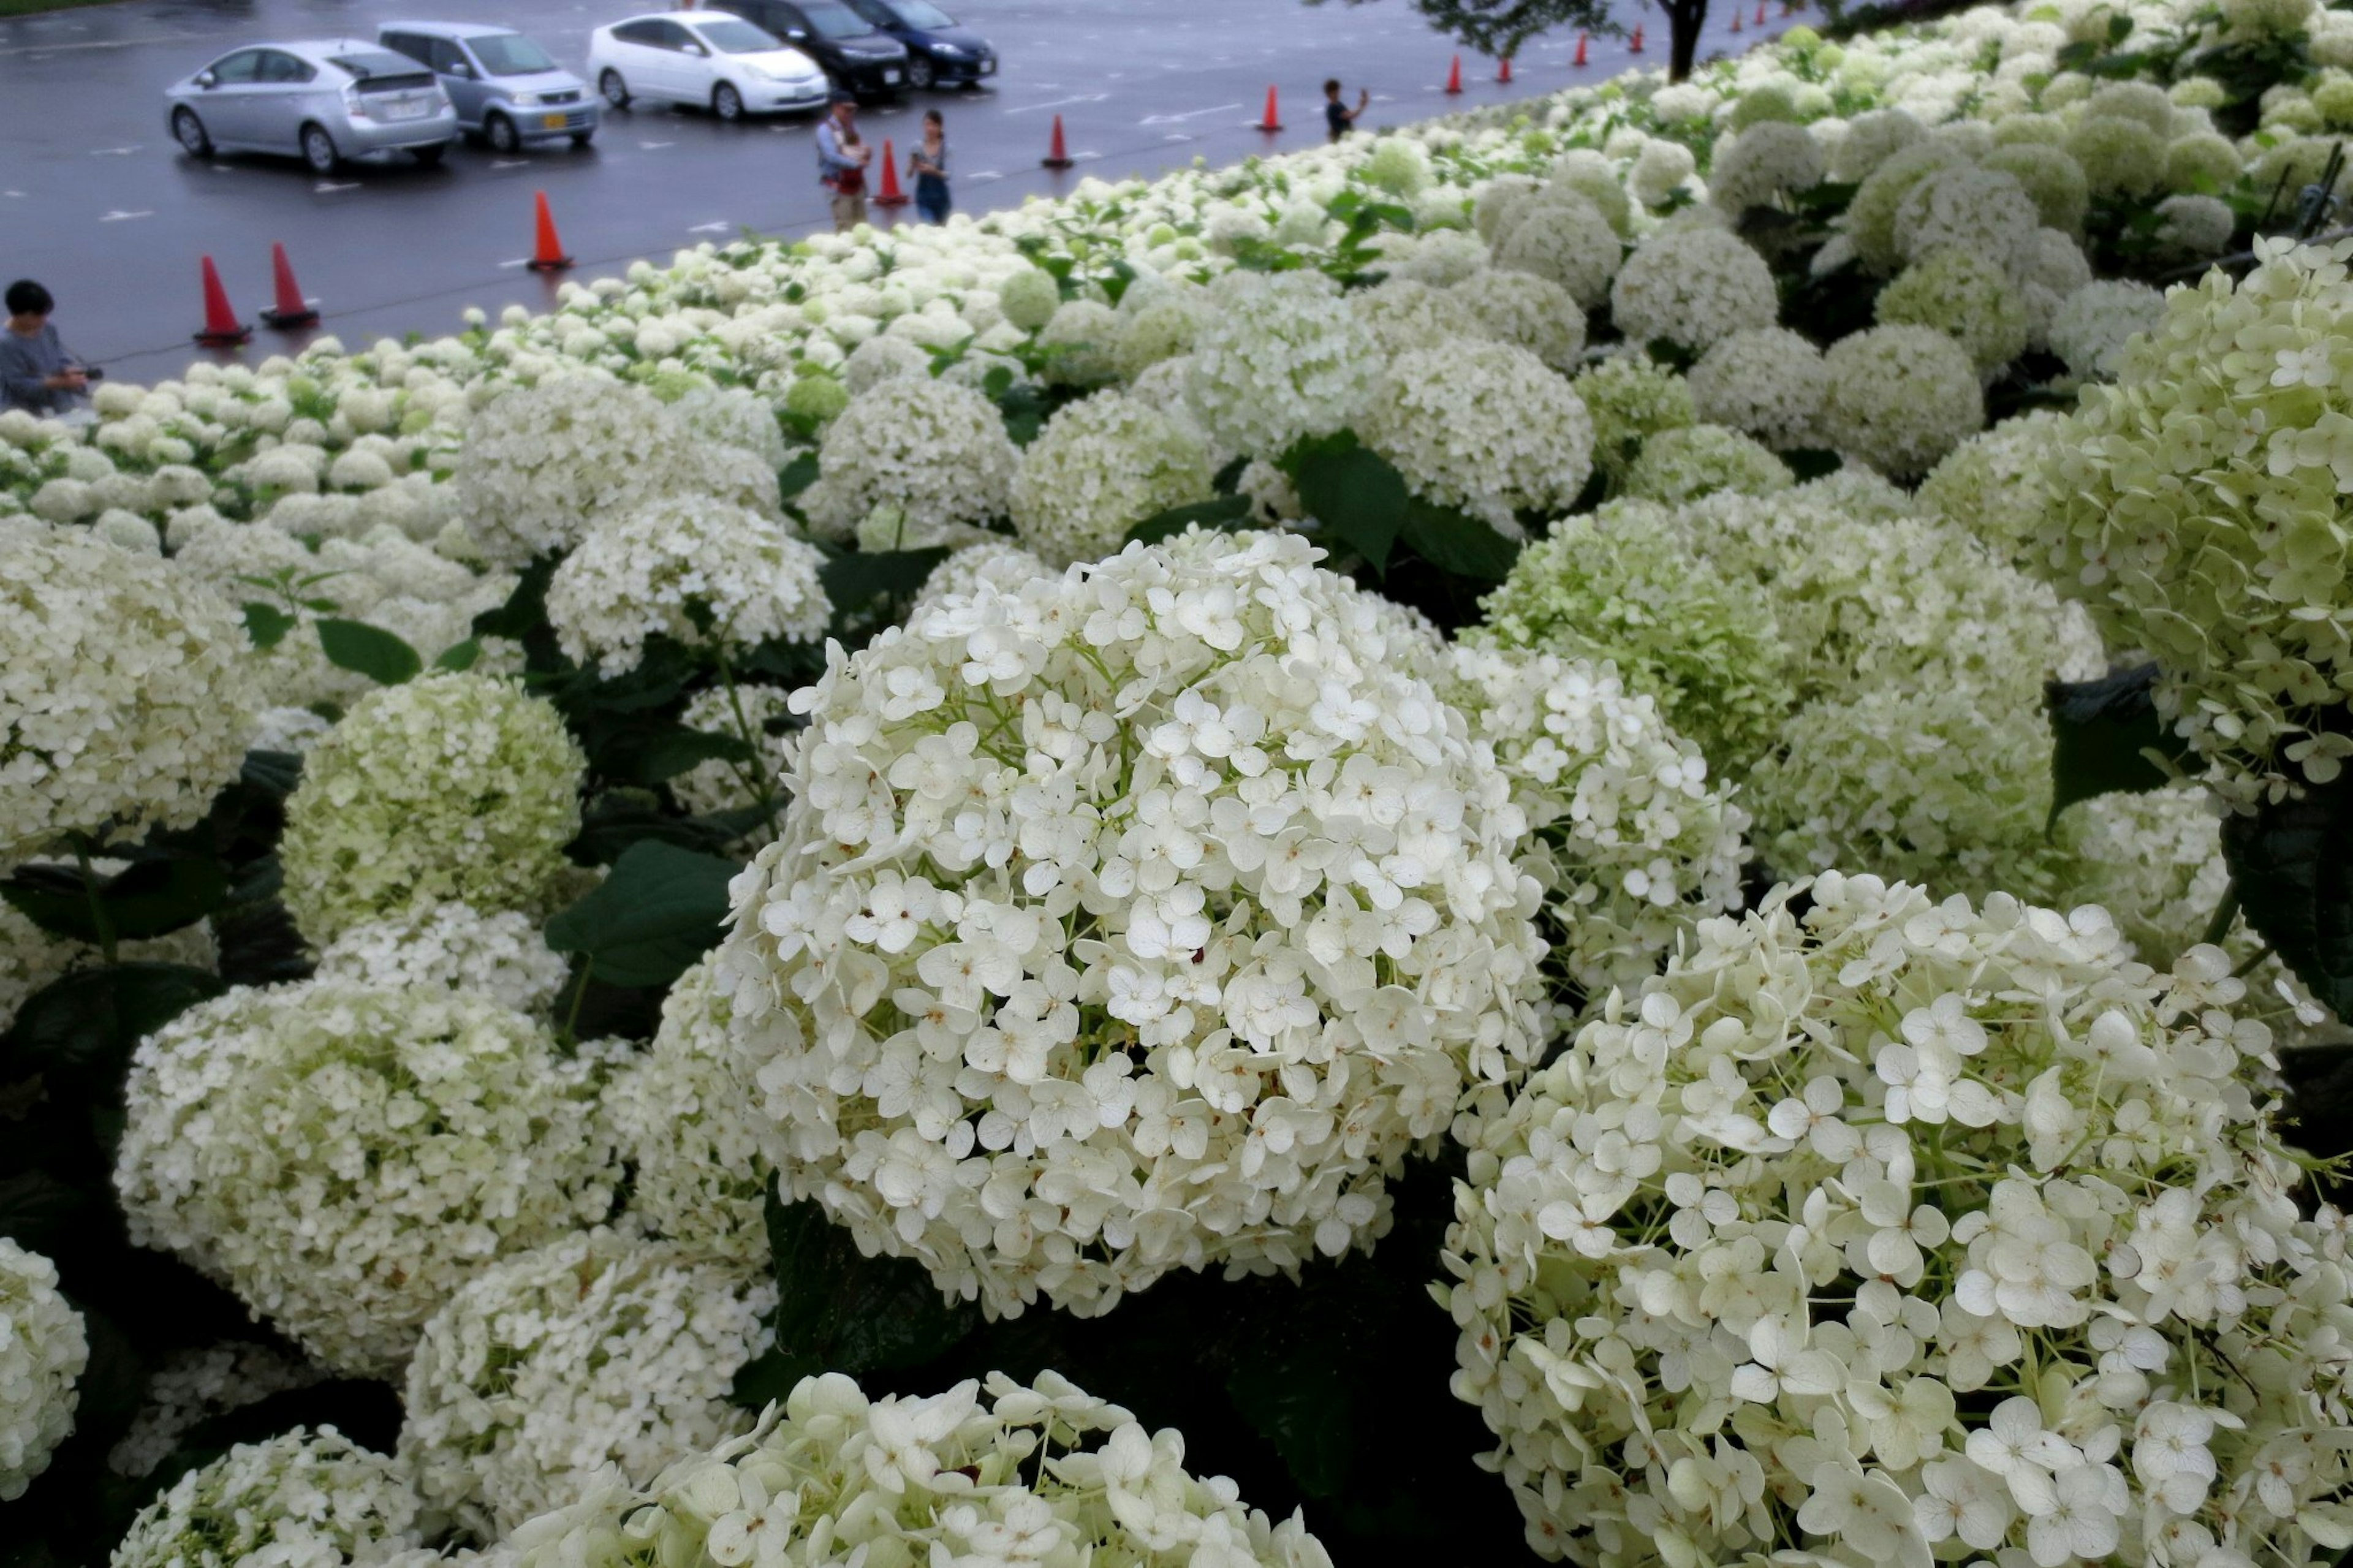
x: 96, y: 201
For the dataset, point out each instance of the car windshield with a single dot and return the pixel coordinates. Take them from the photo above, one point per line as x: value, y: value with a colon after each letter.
x: 737, y: 39
x: 510, y: 54
x: 832, y: 19
x: 375, y: 63
x: 922, y: 14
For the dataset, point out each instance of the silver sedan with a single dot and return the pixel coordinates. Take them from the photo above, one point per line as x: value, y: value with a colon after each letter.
x: 325, y: 101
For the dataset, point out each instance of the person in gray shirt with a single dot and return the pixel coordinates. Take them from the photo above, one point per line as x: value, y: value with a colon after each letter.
x: 36, y: 375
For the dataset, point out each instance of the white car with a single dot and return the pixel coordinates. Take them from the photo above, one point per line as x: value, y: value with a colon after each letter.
x: 709, y: 60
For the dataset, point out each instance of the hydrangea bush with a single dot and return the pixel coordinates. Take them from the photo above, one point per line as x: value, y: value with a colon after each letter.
x: 1920, y: 1229
x: 43, y: 1350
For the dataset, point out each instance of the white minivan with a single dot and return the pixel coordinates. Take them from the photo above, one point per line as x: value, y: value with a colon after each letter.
x: 711, y: 60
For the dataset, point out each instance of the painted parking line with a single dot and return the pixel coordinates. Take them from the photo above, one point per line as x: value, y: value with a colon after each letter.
x: 656, y: 146
x: 119, y: 216
x: 510, y: 163
x: 1188, y: 114
x: 983, y: 177
x: 711, y: 228
x: 114, y: 151
x: 1060, y: 102
x: 329, y: 187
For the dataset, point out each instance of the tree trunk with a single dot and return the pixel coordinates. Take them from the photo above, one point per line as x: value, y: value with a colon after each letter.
x: 1684, y: 20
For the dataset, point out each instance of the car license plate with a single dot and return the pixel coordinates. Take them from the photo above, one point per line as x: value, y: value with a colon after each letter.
x: 551, y: 122
x: 891, y: 77
x: 415, y: 110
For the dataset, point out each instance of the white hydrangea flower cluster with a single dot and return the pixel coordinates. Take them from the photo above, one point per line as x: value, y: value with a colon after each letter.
x: 1621, y: 588
x: 1693, y: 287
x: 1045, y: 1474
x: 306, y: 1499
x: 549, y: 1366
x: 450, y: 947
x: 540, y: 464
x: 1629, y: 836
x: 1561, y: 236
x: 1139, y: 919
x: 195, y: 1386
x: 1909, y: 1231
x: 454, y: 786
x: 1101, y: 466
x: 1702, y: 459
x: 126, y: 703
x: 1762, y: 164
x: 2194, y: 506
x: 687, y: 1121
x: 701, y: 572
x: 1899, y: 398
x: 2094, y: 325
x: 1528, y: 311
x: 1769, y: 383
x: 345, y: 1157
x: 1483, y: 426
x: 935, y: 450
x: 2153, y: 861
x: 43, y: 1350
x: 1993, y: 484
x: 1631, y: 397
x: 1965, y: 296
x: 1000, y: 563
x: 1278, y: 356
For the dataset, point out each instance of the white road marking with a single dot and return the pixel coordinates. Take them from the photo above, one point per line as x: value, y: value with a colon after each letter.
x: 656, y: 146
x: 329, y: 187
x: 517, y: 261
x: 983, y: 177
x: 510, y: 163
x: 18, y: 194
x: 121, y: 216
x: 102, y: 44
x: 1188, y: 114
x: 711, y: 228
x: 1060, y: 102
x: 114, y: 151
x: 1177, y: 136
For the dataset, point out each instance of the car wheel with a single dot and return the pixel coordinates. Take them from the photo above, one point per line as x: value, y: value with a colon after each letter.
x: 726, y: 103
x: 919, y: 75
x: 430, y: 157
x: 319, y: 151
x: 615, y: 90
x: 501, y: 134
x: 190, y: 133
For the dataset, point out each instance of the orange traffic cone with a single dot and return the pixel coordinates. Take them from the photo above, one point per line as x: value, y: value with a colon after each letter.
x: 222, y: 329
x: 1736, y: 19
x: 1503, y: 70
x: 1057, y: 156
x: 292, y: 309
x: 890, y: 194
x: 1634, y: 45
x: 1454, y: 76
x: 1760, y: 13
x: 1272, y: 121
x: 548, y: 255
x: 1579, y: 60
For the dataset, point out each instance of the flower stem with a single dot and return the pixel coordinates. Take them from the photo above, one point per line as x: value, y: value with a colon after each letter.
x: 98, y: 915
x: 2226, y: 915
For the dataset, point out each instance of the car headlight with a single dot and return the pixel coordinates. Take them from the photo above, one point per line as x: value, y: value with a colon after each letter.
x: 526, y: 101
x: 758, y: 73
x: 947, y: 51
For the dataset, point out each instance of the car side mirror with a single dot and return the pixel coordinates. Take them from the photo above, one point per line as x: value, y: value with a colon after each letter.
x: 207, y: 81
x: 697, y: 49
x: 795, y: 34
x: 462, y: 70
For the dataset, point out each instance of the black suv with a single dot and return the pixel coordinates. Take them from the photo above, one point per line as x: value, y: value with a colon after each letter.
x: 857, y: 58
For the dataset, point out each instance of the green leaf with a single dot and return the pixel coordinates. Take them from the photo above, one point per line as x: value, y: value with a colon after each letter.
x: 81, y: 1029
x: 675, y: 750
x: 1812, y: 463
x: 855, y: 580
x: 661, y: 909
x: 266, y: 624
x: 840, y: 1311
x: 1457, y: 543
x: 1226, y: 511
x: 459, y: 655
x: 798, y: 474
x: 37, y: 1211
x: 525, y: 610
x: 370, y: 650
x: 2107, y: 738
x: 1351, y: 490
x: 274, y: 773
x: 151, y: 898
x: 1301, y: 1395
x: 1230, y: 477
x: 2292, y: 869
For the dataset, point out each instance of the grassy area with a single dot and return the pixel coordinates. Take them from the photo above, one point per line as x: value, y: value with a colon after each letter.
x: 31, y: 7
